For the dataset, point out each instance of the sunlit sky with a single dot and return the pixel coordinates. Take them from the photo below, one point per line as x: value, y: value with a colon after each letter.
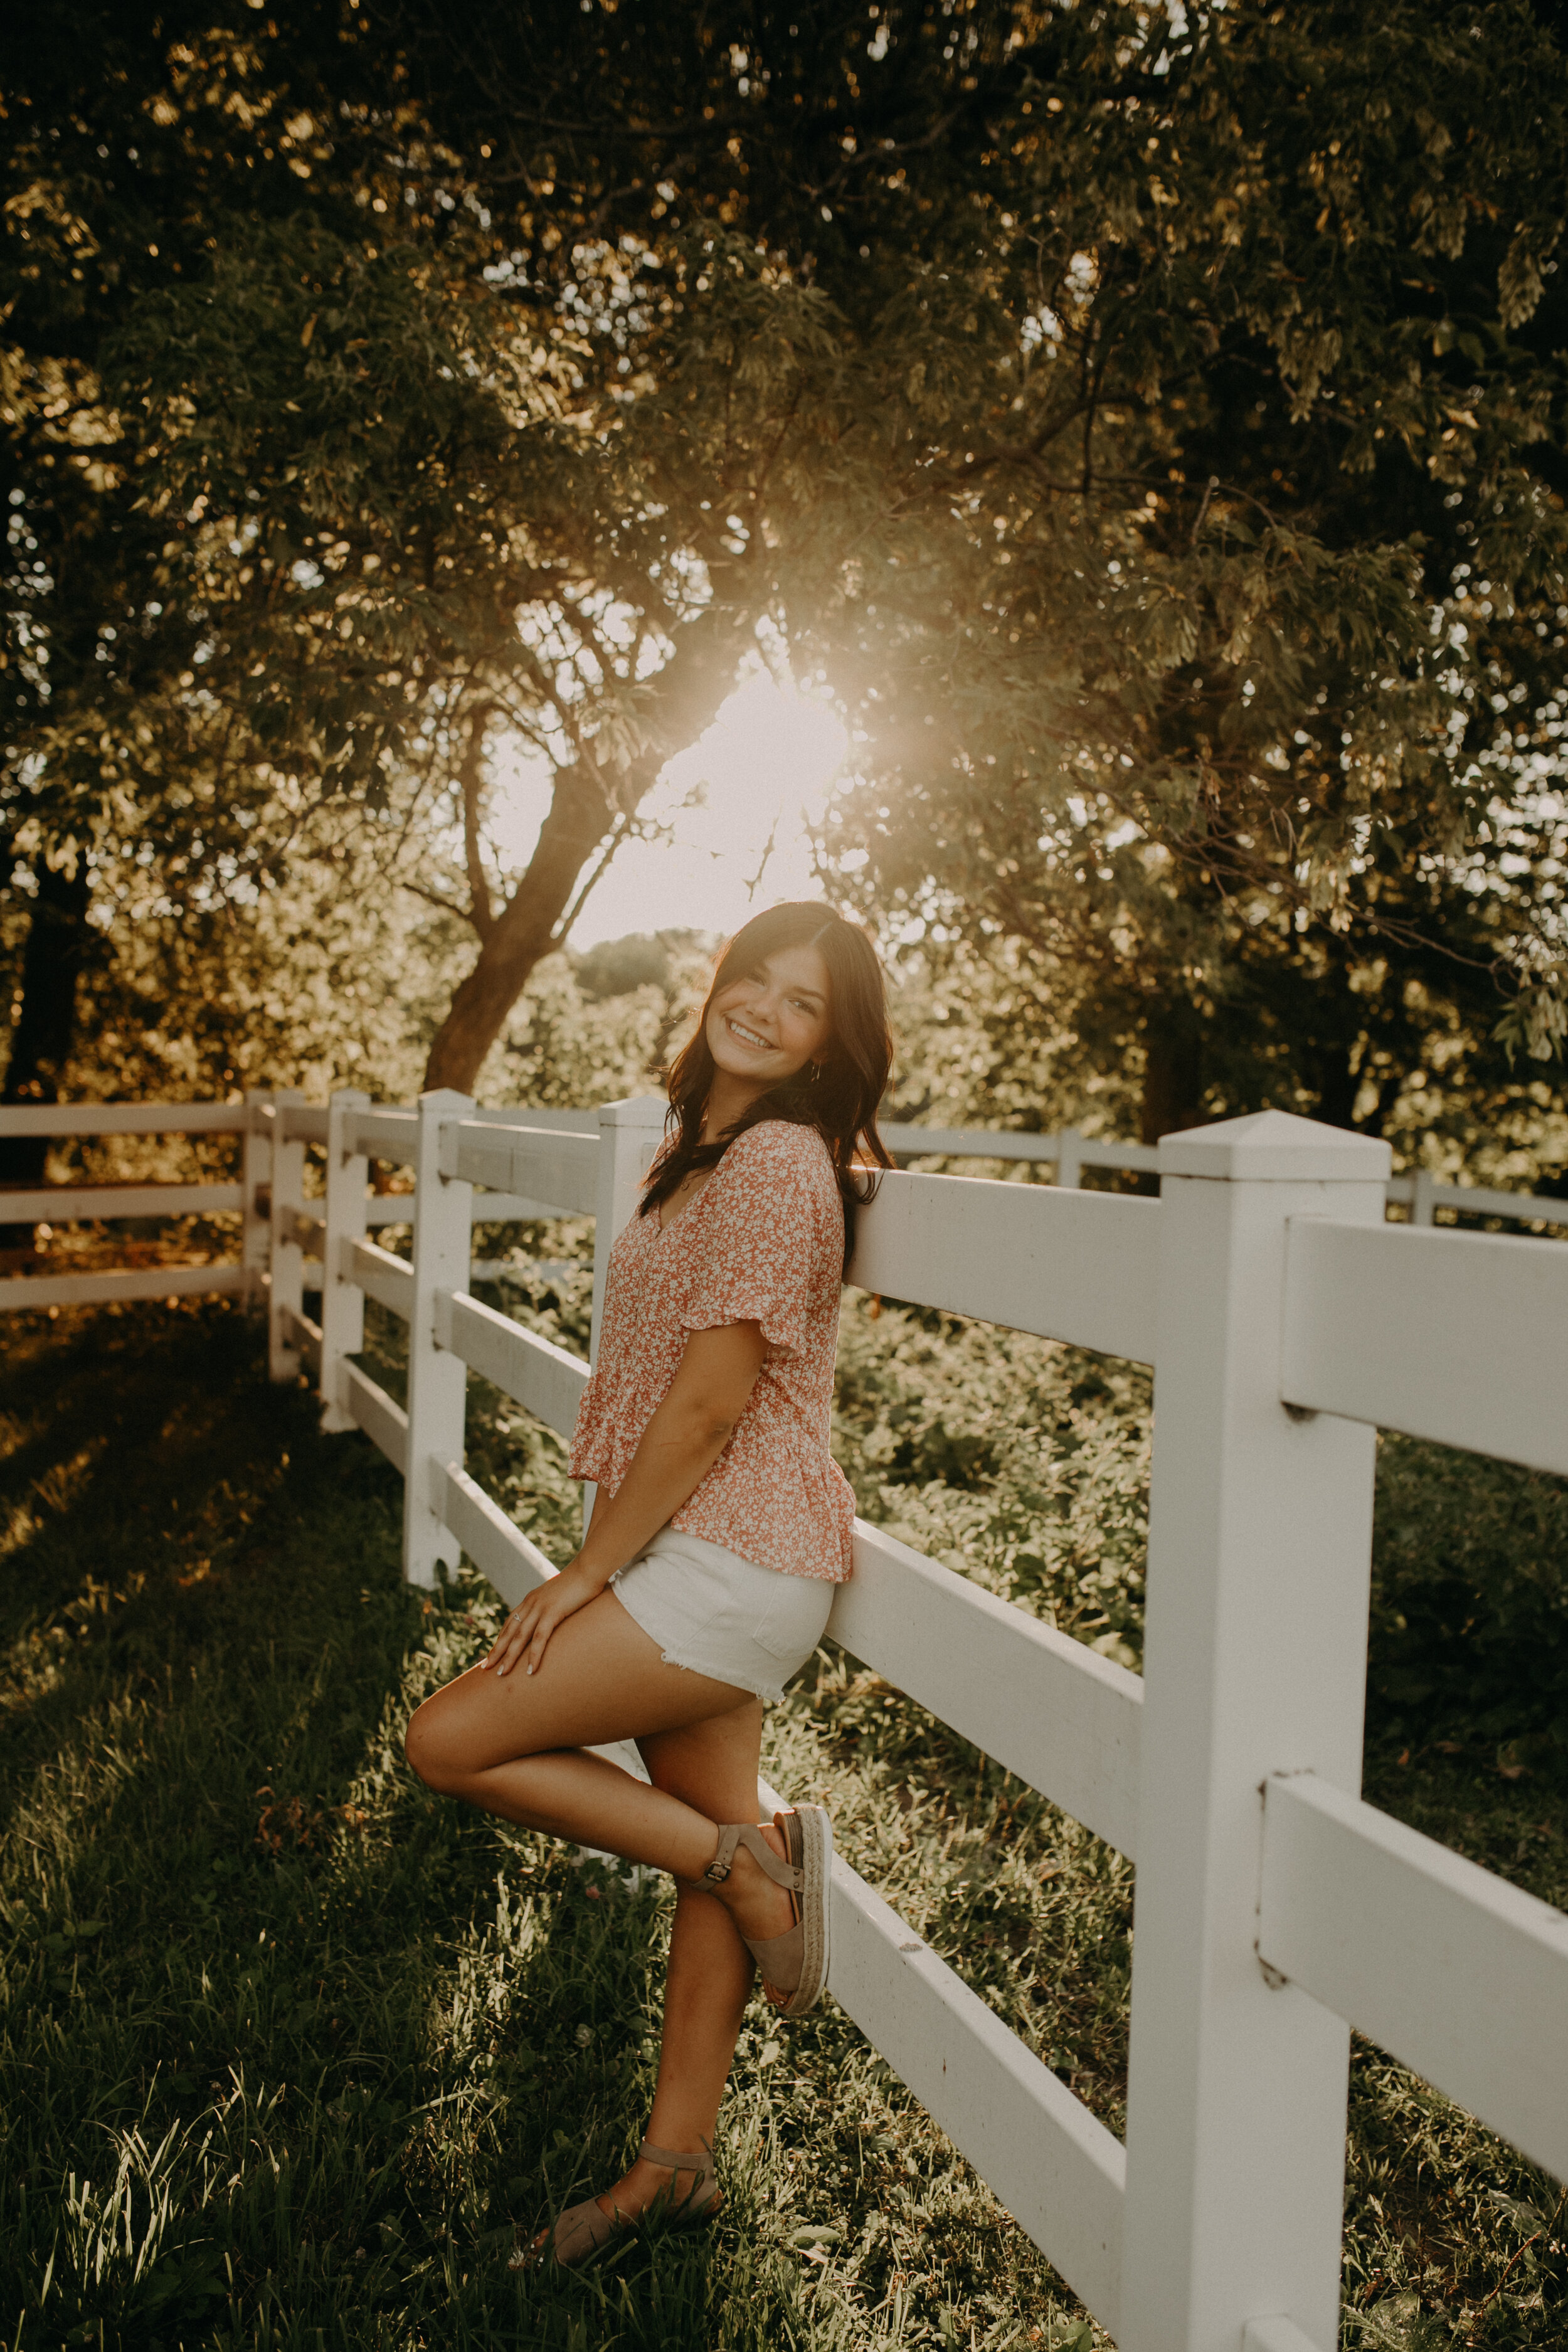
x: 736, y: 807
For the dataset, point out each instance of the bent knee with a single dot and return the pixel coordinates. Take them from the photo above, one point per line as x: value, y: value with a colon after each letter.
x: 430, y: 1754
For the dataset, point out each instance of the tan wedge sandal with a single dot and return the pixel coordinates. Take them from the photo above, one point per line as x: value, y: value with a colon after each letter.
x: 583, y: 2230
x: 796, y: 1963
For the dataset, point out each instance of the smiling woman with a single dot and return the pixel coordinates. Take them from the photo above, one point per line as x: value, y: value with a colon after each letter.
x: 721, y: 1529
x: 795, y: 1028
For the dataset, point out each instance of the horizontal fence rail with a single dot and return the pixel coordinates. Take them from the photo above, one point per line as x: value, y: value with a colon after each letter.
x: 303, y: 1335
x: 387, y: 1279
x: 34, y: 1290
x: 1423, y: 1195
x: 1070, y: 1153
x: 1462, y: 1338
x: 1284, y: 1320
x: 563, y: 1170
x: 274, y: 1130
x: 1053, y: 2164
x: 84, y: 1203
x: 534, y: 1371
x: 1081, y: 1266
x: 298, y: 1123
x: 380, y: 1417
x: 389, y: 1135
x: 1063, y: 1718
x: 124, y: 1118
x: 1349, y: 1896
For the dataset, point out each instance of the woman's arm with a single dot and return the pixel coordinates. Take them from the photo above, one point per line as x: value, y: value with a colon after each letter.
x: 690, y: 1429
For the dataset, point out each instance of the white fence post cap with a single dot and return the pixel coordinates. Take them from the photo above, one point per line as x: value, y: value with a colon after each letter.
x: 635, y: 1110
x: 1275, y: 1146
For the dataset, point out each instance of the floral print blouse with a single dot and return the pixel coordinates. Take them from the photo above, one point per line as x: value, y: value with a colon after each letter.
x: 763, y: 1242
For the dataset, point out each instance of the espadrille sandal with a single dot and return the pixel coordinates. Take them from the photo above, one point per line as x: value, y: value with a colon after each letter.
x: 583, y: 2230
x: 796, y: 1963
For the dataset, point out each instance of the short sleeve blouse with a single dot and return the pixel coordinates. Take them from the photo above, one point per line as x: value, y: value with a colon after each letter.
x: 763, y: 1242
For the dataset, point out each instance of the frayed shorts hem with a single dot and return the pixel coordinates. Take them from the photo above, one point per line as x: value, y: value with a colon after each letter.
x: 770, y: 1694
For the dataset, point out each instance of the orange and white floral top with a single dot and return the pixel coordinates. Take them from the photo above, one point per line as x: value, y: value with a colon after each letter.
x: 763, y: 1242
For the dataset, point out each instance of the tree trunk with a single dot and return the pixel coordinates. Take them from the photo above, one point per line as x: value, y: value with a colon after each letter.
x: 683, y: 699
x: 52, y: 964
x: 578, y: 819
x: 1173, y: 1072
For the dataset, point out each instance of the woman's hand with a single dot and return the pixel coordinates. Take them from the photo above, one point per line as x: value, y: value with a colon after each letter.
x: 685, y: 1437
x: 526, y: 1633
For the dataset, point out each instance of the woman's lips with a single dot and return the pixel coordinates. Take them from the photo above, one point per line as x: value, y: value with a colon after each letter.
x: 746, y: 1037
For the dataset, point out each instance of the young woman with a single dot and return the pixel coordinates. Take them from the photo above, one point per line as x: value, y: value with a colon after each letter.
x: 720, y: 1528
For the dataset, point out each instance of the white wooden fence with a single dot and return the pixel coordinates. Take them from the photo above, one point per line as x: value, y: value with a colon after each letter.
x: 1286, y: 1321
x: 1068, y: 1152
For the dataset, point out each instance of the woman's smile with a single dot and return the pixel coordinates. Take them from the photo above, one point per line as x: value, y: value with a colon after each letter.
x: 765, y: 1027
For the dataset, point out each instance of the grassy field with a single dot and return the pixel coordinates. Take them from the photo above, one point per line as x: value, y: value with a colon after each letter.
x: 292, y: 2052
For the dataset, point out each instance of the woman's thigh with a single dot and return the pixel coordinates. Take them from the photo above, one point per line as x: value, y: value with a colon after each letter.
x: 601, y: 1679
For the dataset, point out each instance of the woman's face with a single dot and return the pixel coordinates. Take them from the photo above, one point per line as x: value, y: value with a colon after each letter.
x: 767, y: 1024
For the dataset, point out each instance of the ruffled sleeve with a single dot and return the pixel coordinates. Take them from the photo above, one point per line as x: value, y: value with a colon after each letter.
x: 772, y: 1232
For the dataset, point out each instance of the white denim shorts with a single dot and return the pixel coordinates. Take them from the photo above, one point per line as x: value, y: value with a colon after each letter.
x: 716, y: 1613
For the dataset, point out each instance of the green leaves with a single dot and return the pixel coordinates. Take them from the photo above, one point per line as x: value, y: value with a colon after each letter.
x: 1165, y: 661
x: 63, y: 1939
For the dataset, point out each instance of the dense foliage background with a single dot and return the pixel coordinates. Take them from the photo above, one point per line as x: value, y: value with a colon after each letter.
x: 1146, y: 423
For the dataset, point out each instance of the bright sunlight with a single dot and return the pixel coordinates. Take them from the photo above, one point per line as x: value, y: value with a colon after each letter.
x: 733, y: 814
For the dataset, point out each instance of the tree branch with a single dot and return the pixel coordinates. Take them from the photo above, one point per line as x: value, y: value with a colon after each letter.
x: 470, y: 776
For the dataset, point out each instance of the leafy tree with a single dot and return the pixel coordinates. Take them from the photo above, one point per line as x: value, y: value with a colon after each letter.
x: 420, y: 534
x: 383, y: 380
x: 1198, y: 579
x: 128, y: 132
x: 1106, y: 399
x: 1233, y: 685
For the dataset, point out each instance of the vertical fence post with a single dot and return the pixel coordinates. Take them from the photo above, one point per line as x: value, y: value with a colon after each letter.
x: 1069, y: 1164
x: 1422, y: 1203
x: 438, y: 1379
x: 1259, y: 1545
x: 342, y: 1301
x: 255, y: 1177
x: 287, y: 1294
x: 629, y: 1135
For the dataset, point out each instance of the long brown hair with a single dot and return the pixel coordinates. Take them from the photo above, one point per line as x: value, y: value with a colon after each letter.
x: 840, y: 1102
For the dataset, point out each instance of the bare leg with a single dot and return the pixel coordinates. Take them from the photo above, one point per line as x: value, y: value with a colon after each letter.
x: 514, y: 1747
x: 712, y: 1765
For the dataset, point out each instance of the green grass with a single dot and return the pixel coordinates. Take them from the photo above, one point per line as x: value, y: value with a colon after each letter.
x: 292, y: 2052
